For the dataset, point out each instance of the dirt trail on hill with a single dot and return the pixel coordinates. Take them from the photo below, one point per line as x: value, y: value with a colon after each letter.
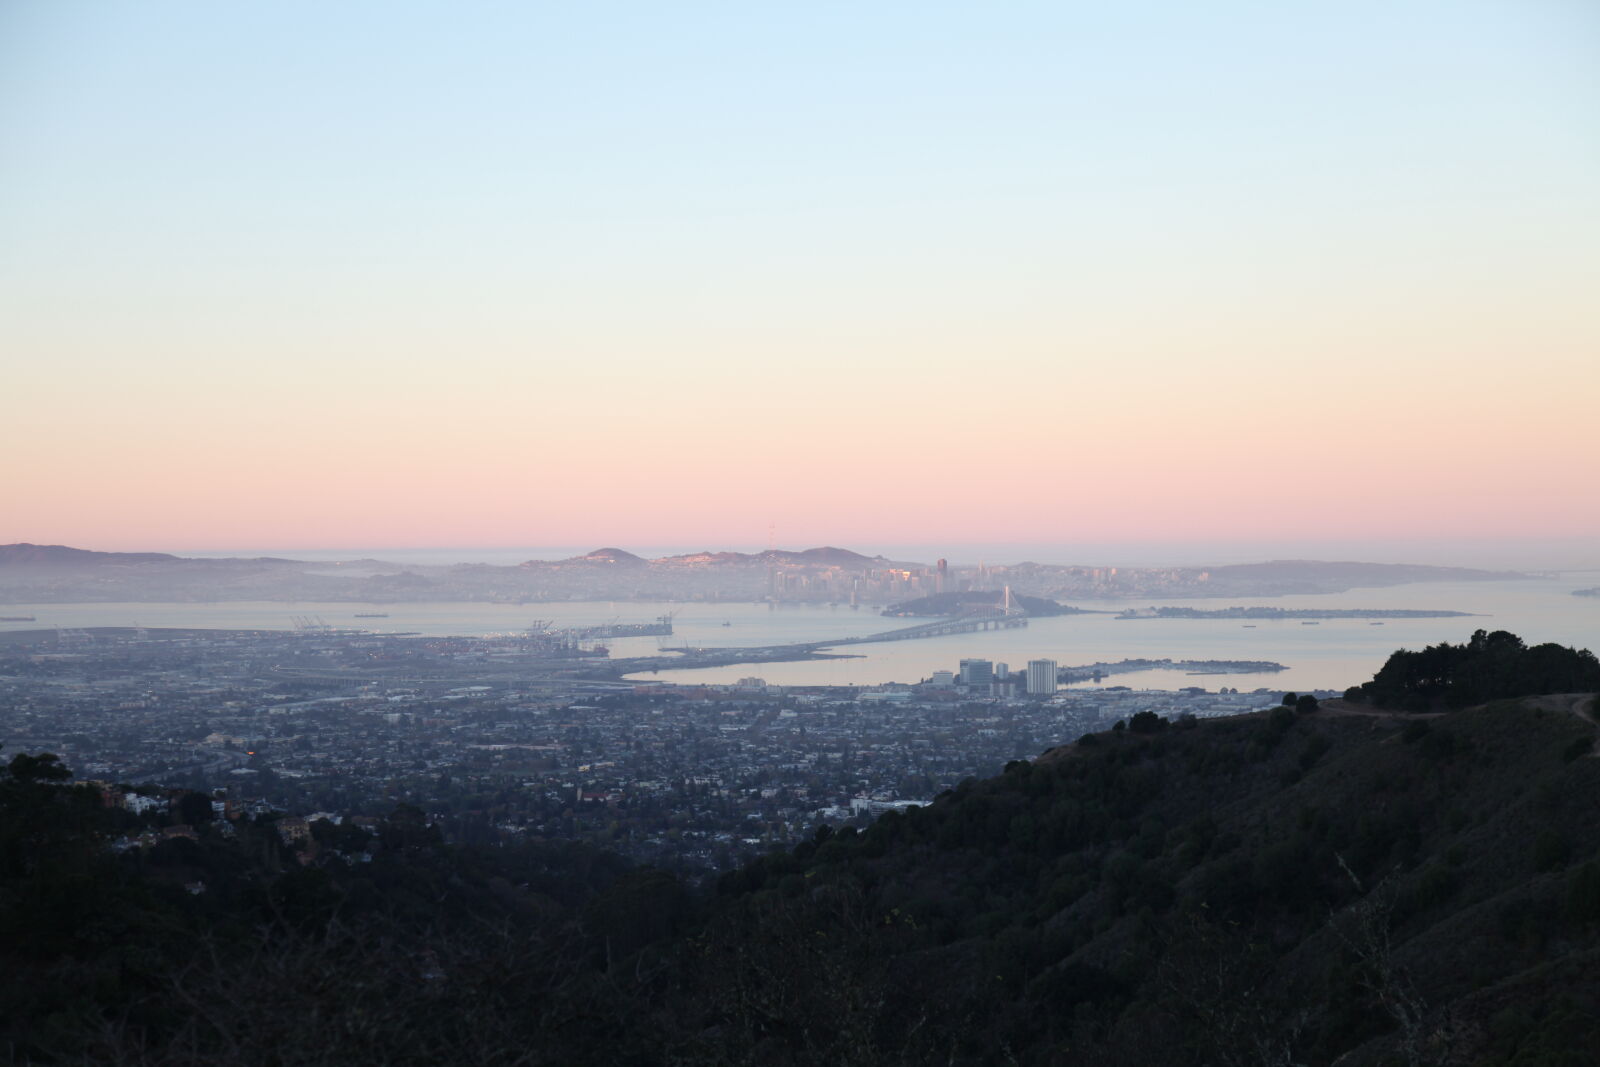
x: 1578, y: 704
x: 1338, y: 706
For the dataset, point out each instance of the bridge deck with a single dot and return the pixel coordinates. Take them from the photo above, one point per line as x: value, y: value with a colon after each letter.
x: 964, y: 624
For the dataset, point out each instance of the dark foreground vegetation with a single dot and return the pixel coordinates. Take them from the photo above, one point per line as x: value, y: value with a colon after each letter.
x: 1491, y: 666
x: 1310, y: 885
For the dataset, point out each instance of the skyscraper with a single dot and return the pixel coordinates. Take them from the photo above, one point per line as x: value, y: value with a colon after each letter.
x: 1041, y: 677
x: 977, y: 675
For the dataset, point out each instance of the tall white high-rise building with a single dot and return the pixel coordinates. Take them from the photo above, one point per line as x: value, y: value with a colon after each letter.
x: 1041, y: 677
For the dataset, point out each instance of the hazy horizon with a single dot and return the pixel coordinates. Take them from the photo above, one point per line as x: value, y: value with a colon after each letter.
x: 1572, y: 554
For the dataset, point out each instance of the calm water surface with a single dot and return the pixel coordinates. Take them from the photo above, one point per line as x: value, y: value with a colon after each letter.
x: 1330, y: 655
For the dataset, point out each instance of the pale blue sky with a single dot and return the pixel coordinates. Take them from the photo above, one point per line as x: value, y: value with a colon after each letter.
x: 581, y: 145
x: 242, y: 223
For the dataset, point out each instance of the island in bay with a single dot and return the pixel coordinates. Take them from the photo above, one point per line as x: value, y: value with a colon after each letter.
x: 1272, y: 614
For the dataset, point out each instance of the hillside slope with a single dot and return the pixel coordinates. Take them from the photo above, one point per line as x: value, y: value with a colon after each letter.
x: 1346, y: 885
x: 1341, y: 886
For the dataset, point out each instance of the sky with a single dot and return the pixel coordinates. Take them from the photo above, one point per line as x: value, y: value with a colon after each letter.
x: 423, y: 274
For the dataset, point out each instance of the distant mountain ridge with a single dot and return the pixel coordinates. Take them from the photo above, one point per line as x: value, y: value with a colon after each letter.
x: 40, y: 574
x: 827, y: 556
x: 610, y: 556
x: 24, y: 554
x: 30, y: 555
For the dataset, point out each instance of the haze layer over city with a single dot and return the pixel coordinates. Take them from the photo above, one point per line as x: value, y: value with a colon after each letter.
x: 902, y: 533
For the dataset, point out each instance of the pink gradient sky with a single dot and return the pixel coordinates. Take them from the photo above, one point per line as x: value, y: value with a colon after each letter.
x: 1046, y: 278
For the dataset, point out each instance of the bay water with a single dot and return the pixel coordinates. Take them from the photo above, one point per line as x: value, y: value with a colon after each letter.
x: 1332, y: 654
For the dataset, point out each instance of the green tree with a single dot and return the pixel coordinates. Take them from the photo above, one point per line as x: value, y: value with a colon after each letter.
x: 45, y: 767
x: 1146, y: 722
x: 193, y: 808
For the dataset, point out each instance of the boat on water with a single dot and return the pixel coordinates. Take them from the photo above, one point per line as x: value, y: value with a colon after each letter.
x: 1309, y: 623
x: 373, y: 615
x: 727, y: 624
x: 1374, y: 624
x: 1249, y: 626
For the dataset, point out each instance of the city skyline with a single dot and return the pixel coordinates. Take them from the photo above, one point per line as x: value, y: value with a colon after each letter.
x: 1052, y: 274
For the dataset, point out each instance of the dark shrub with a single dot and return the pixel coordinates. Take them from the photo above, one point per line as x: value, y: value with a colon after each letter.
x: 1583, y: 893
x: 1491, y: 666
x: 1550, y: 850
x: 1316, y: 746
x: 1279, y: 720
x: 1146, y: 722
